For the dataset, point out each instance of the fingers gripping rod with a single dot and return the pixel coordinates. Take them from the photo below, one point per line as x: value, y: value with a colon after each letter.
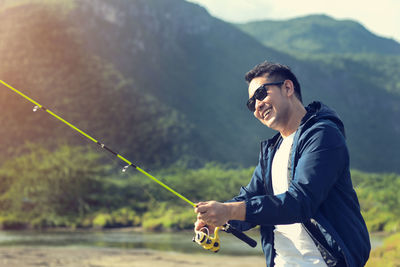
x: 38, y: 106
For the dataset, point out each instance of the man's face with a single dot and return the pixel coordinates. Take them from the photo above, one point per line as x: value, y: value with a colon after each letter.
x: 273, y: 110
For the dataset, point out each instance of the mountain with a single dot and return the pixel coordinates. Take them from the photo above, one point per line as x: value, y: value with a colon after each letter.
x: 41, y: 54
x: 316, y: 34
x: 333, y: 44
x: 345, y: 48
x: 162, y: 82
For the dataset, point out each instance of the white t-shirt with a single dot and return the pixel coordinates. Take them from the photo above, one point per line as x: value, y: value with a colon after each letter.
x: 293, y: 245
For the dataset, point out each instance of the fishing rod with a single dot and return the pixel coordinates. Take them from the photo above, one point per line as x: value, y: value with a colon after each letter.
x: 202, y: 237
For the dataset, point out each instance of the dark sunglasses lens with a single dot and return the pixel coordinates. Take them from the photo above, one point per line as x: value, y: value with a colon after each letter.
x: 251, y: 104
x: 260, y: 94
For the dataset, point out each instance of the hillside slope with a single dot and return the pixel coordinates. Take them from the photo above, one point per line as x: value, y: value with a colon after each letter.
x: 41, y: 54
x: 163, y: 81
x: 319, y: 34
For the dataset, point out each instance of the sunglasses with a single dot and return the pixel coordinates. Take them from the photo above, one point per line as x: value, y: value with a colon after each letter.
x: 260, y: 94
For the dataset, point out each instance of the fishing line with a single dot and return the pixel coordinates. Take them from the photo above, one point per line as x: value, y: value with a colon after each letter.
x: 39, y: 106
x: 203, y: 239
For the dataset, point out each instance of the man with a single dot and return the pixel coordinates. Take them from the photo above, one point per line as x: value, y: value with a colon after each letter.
x: 301, y: 192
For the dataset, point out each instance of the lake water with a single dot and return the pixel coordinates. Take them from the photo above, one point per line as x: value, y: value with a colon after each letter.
x: 129, y: 239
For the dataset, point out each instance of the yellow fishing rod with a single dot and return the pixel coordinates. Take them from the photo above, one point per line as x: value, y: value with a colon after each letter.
x: 39, y: 106
x: 201, y: 238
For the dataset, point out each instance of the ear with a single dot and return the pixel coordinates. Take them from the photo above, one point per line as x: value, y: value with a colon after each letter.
x: 288, y: 88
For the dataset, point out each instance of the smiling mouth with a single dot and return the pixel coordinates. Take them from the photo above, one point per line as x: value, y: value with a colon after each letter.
x: 266, y: 113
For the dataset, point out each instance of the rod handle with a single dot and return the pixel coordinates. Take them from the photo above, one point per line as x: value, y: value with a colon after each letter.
x: 242, y: 236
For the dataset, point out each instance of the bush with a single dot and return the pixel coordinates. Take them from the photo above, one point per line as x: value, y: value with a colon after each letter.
x: 379, y: 200
x: 166, y: 216
x: 102, y: 220
x: 12, y: 223
x: 47, y: 188
x: 122, y: 217
x: 388, y: 255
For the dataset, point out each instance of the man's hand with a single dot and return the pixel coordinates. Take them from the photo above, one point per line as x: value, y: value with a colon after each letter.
x: 213, y: 213
x: 198, y: 225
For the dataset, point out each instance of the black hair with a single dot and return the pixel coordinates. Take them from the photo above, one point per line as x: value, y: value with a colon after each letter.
x: 275, y: 72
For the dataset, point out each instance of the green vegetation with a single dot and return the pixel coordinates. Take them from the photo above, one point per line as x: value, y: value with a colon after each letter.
x: 388, y: 255
x: 77, y: 187
x: 43, y: 188
x: 379, y: 199
x: 319, y: 34
x: 73, y: 187
x: 381, y: 69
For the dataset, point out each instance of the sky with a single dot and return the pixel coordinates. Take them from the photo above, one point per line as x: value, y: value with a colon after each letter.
x: 380, y: 17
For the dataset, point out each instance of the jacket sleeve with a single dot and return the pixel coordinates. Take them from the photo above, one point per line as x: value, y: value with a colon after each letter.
x: 254, y: 188
x: 323, y: 157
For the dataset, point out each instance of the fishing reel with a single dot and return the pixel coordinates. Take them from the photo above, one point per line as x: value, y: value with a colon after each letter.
x: 208, y: 242
x: 212, y: 243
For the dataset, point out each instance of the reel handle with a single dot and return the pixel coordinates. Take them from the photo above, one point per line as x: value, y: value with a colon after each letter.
x: 242, y: 236
x: 208, y: 242
x: 212, y: 243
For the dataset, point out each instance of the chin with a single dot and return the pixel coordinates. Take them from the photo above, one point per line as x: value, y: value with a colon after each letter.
x: 270, y: 124
x: 267, y: 123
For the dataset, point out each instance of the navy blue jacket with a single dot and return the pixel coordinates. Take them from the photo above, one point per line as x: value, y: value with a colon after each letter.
x: 320, y: 195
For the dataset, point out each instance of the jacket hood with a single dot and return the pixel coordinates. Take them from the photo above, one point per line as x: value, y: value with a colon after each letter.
x: 318, y: 111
